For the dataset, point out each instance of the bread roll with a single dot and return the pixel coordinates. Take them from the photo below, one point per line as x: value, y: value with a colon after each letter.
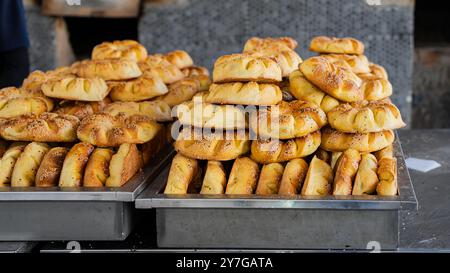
x: 319, y: 178
x: 8, y: 162
x: 334, y: 159
x: 97, y: 168
x: 278, y: 43
x: 215, y: 178
x: 243, y: 176
x: 287, y: 60
x: 27, y: 164
x: 124, y: 165
x: 387, y: 174
x: 323, y: 44
x: 15, y: 102
x: 385, y: 152
x: 249, y: 93
x: 81, y: 109
x: 293, y: 176
x: 50, y: 169
x: 179, y: 58
x: 142, y: 88
x: 34, y: 81
x: 74, y: 165
x: 75, y: 88
x: 376, y: 89
x: 109, y: 70
x: 334, y: 80
x: 194, y: 71
x: 366, y: 179
x: 245, y: 67
x: 180, y: 92
x: 154, y: 110
x: 181, y: 174
x: 270, y: 178
x: 346, y: 169
x: 46, y: 127
x: 126, y: 49
x: 376, y: 72
x: 356, y: 63
x: 158, y: 67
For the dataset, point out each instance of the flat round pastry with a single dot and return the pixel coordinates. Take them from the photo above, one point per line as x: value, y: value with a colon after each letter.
x: 356, y: 63
x: 248, y: 93
x: 365, y: 117
x: 74, y: 88
x: 245, y: 67
x: 46, y: 127
x: 194, y: 143
x: 335, y: 141
x: 193, y: 71
x: 303, y: 89
x: 376, y: 89
x: 142, y: 88
x: 16, y: 102
x: 288, y: 120
x: 323, y: 44
x: 157, y: 66
x: 376, y: 72
x: 126, y: 49
x: 106, y: 130
x: 180, y: 91
x: 179, y: 58
x: 334, y: 80
x: 155, y: 110
x: 109, y: 70
x: 280, y: 43
x: 275, y: 150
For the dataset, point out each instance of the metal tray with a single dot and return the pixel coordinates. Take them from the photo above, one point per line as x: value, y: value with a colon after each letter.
x: 278, y: 222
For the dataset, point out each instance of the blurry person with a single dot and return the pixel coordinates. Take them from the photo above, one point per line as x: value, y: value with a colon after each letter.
x: 14, y: 63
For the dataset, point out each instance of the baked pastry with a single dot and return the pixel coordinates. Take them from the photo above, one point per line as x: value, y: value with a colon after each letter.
x: 181, y: 174
x: 385, y: 152
x: 109, y: 70
x: 212, y: 146
x: 303, y: 89
x: 8, y: 161
x: 194, y: 71
x: 243, y: 176
x: 81, y: 109
x: 157, y: 66
x: 335, y: 141
x: 376, y: 89
x: 155, y: 110
x: 215, y: 179
x: 288, y: 120
x: 387, y: 174
x: 27, y: 164
x: 376, y: 72
x: 293, y: 176
x: 319, y: 178
x: 270, y: 178
x: 15, y: 102
x: 50, y: 168
x: 365, y: 117
x: 46, y: 127
x: 74, y: 165
x: 73, y: 88
x: 34, y: 81
x: 97, y: 168
x: 366, y: 179
x: 206, y: 115
x: 323, y: 155
x: 179, y: 58
x: 142, y: 88
x: 279, y: 44
x: 336, y: 81
x: 346, y: 169
x: 334, y: 159
x: 151, y: 148
x: 287, y: 60
x: 274, y: 150
x: 356, y: 63
x: 106, y: 130
x: 124, y: 165
x: 249, y: 93
x: 245, y: 67
x: 126, y: 49
x: 180, y: 92
x: 323, y: 44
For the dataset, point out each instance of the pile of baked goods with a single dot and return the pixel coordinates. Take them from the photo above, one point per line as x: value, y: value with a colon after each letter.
x: 274, y: 124
x: 97, y: 122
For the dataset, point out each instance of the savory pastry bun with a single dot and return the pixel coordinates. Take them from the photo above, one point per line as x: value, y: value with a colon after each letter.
x: 142, y: 88
x: 293, y: 177
x: 158, y: 67
x: 248, y: 93
x: 124, y: 165
x: 179, y: 58
x: 194, y: 71
x: 387, y: 174
x: 125, y: 49
x: 180, y: 92
x: 356, y: 63
x: 155, y: 110
x: 8, y: 162
x: 97, y: 168
x: 366, y: 179
x: 243, y: 177
x: 278, y: 43
x: 346, y: 169
x: 109, y: 70
x: 386, y: 152
x: 15, y: 102
x: 75, y: 88
x: 319, y: 178
x: 50, y: 169
x: 270, y: 178
x: 215, y: 178
x: 74, y: 165
x: 27, y: 164
x: 323, y: 44
x: 81, y: 109
x: 181, y: 174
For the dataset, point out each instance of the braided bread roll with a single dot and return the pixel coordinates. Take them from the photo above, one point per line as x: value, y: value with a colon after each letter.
x: 323, y: 44
x: 27, y: 164
x: 346, y: 169
x: 126, y: 49
x: 243, y: 176
x: 15, y: 102
x: 8, y: 162
x: 249, y: 93
x: 293, y: 176
x: 319, y: 178
x: 366, y: 179
x: 73, y: 88
x: 158, y: 67
x: 181, y: 174
x: 109, y: 70
x: 142, y: 88
x: 155, y: 110
x: 270, y: 178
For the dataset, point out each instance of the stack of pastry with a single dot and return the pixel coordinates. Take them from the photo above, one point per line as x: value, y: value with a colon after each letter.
x: 110, y: 103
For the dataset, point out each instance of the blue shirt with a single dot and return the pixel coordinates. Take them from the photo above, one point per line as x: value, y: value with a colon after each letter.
x: 13, y: 28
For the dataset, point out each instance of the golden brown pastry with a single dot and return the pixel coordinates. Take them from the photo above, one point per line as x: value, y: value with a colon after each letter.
x: 203, y: 82
x: 15, y: 102
x: 376, y: 72
x: 109, y: 70
x: 376, y: 89
x: 50, y: 168
x: 335, y: 141
x: 323, y: 155
x: 365, y: 117
x: 151, y: 148
x: 194, y: 71
x: 46, y: 127
x: 27, y: 164
x: 245, y: 67
x: 124, y: 165
x: 356, y: 63
x: 346, y: 169
x: 34, y: 81
x: 249, y: 93
x: 142, y: 88
x: 293, y: 176
x: 288, y: 120
x: 274, y: 150
x: 243, y: 176
x: 323, y: 44
x: 215, y: 179
x: 126, y: 49
x: 366, y: 179
x: 334, y: 159
x: 106, y: 130
x: 180, y: 92
x: 270, y: 178
x: 157, y: 66
x: 97, y: 168
x: 155, y: 110
x: 74, y: 88
x: 386, y: 152
x: 181, y: 174
x: 278, y: 43
x: 179, y: 58
x: 336, y: 81
x: 74, y: 164
x: 287, y: 60
x: 8, y: 162
x: 387, y: 174
x: 81, y: 109
x: 319, y: 178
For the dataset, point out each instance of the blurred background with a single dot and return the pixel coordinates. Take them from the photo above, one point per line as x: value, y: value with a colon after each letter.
x: 411, y: 39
